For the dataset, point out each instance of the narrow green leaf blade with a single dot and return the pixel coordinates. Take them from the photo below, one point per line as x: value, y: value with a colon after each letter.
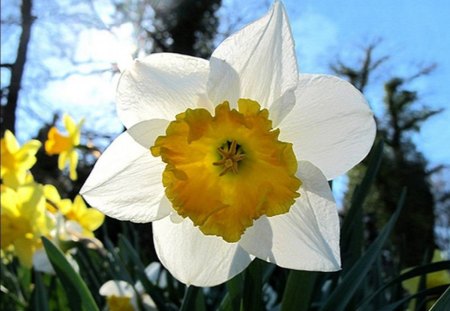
x: 139, y: 267
x: 298, y: 292
x: 76, y: 290
x: 352, y: 227
x: 423, y: 293
x: 235, y: 290
x: 414, y: 272
x: 40, y: 297
x: 339, y: 299
x: 252, y: 299
x: 443, y: 303
x: 193, y: 299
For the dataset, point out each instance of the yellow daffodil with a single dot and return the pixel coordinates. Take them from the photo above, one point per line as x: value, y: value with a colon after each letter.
x: 23, y: 221
x: 65, y: 145
x: 80, y: 220
x: 120, y: 296
x: 88, y: 218
x: 16, y: 160
x: 53, y: 201
x: 229, y: 158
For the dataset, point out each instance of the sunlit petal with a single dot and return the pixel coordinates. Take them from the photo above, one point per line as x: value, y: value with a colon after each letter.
x: 196, y: 259
x: 306, y: 238
x: 127, y: 162
x: 331, y: 124
x: 160, y: 86
x: 258, y: 62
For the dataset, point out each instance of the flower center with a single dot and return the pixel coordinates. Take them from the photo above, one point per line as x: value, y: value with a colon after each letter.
x: 231, y: 154
x: 213, y: 160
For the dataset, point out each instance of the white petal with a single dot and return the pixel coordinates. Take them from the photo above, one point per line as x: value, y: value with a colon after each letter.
x: 73, y: 227
x: 149, y: 304
x: 257, y: 62
x: 156, y: 274
x: 41, y: 262
x: 126, y: 181
x: 194, y: 258
x: 306, y: 238
x: 154, y: 271
x: 117, y: 288
x: 331, y: 124
x: 161, y: 86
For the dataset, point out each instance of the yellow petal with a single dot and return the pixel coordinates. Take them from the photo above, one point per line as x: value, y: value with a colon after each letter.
x: 16, y: 160
x: 9, y: 201
x: 79, y: 207
x: 65, y: 207
x: 10, y: 142
x: 73, y: 161
x: 73, y: 129
x: 24, y: 249
x: 57, y: 143
x: 92, y: 219
x: 69, y: 124
x: 51, y: 193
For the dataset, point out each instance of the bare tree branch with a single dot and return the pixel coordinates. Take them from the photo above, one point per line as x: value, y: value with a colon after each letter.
x: 8, y: 117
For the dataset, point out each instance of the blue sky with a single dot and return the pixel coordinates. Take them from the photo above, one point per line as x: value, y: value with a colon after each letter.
x: 413, y: 33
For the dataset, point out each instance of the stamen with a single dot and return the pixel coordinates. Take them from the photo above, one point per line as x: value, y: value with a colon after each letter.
x: 231, y: 155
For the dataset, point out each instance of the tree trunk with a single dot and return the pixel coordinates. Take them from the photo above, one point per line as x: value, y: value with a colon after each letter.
x: 8, y: 119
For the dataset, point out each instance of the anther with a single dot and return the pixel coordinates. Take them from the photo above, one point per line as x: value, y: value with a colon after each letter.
x: 231, y: 155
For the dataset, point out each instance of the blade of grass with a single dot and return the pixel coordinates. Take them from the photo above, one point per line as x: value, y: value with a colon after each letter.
x: 24, y: 281
x: 193, y: 299
x: 298, y: 292
x: 76, y: 290
x: 443, y: 303
x: 430, y: 291
x: 414, y: 272
x: 139, y: 267
x: 352, y: 227
x: 231, y: 301
x: 340, y: 297
x: 252, y: 298
x: 92, y: 273
x: 40, y: 297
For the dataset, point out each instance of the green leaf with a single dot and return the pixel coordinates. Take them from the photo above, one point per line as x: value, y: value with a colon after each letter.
x: 232, y: 298
x: 252, y: 299
x: 40, y: 297
x: 117, y: 267
x: 414, y: 272
x: 443, y: 303
x: 235, y: 288
x: 298, y: 292
x: 193, y: 299
x: 352, y: 227
x: 139, y: 268
x: 24, y: 280
x: 76, y: 290
x: 430, y: 291
x: 340, y: 297
x: 11, y: 293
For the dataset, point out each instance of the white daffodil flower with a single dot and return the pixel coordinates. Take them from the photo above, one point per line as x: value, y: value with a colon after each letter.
x: 121, y: 296
x: 229, y: 158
